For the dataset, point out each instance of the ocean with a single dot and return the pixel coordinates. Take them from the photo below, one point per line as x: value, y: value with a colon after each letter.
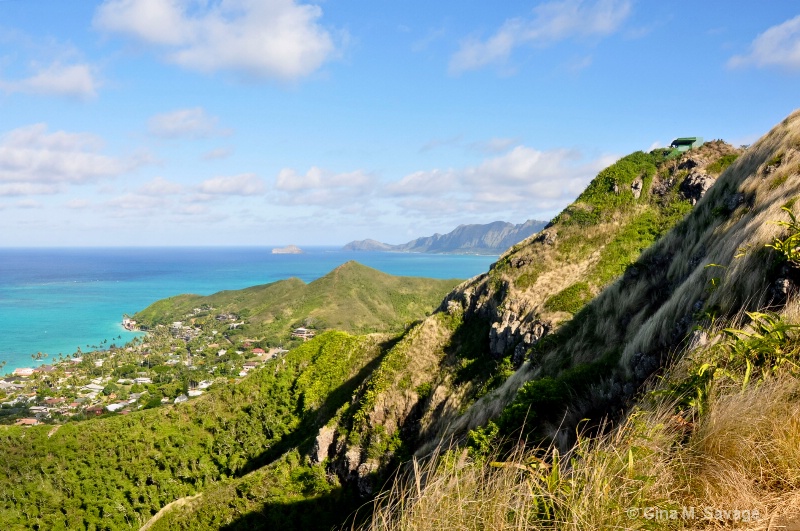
x: 54, y: 300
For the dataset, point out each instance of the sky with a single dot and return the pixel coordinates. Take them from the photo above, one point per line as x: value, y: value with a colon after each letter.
x: 275, y: 122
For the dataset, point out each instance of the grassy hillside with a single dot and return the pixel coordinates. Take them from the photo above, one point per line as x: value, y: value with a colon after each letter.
x: 117, y: 472
x: 673, y: 391
x: 488, y: 327
x: 353, y: 298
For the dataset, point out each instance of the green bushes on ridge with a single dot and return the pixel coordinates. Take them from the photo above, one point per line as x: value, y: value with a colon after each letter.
x: 600, y: 197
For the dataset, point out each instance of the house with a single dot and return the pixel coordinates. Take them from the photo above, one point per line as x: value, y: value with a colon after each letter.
x: 54, y: 401
x: 95, y: 410
x: 251, y: 365
x: 142, y: 380
x: 116, y: 407
x: 26, y: 422
x: 681, y: 145
x: 303, y: 333
x: 92, y: 387
x: 258, y: 351
x: 46, y: 369
x: 180, y: 399
x: 23, y: 371
x: 195, y: 392
x: 205, y: 384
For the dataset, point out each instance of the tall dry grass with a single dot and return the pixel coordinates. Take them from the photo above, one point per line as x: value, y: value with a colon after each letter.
x: 743, y: 454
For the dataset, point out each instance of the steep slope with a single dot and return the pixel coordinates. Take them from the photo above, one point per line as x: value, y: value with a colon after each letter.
x: 491, y: 238
x: 427, y: 386
x: 599, y: 359
x: 695, y: 350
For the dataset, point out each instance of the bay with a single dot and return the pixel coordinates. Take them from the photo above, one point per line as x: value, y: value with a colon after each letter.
x: 56, y: 300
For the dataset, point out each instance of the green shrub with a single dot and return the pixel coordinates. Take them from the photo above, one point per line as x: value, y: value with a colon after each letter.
x: 722, y: 163
x: 570, y: 299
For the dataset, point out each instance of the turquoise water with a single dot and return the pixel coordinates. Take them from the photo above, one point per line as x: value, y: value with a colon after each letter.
x: 56, y: 300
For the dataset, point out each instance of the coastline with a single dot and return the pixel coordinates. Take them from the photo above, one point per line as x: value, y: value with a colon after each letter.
x: 53, y: 300
x: 52, y: 359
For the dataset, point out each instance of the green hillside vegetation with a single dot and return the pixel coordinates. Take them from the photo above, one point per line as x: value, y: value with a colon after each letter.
x: 672, y: 391
x: 353, y: 298
x: 116, y: 472
x: 496, y: 321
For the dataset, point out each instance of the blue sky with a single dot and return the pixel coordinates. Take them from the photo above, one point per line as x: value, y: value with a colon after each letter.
x: 270, y: 122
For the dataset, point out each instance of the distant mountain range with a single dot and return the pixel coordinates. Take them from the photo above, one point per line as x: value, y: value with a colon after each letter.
x: 491, y: 238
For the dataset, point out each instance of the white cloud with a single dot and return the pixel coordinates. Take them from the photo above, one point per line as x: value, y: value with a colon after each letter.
x: 160, y: 187
x: 259, y: 39
x: 31, y: 155
x: 192, y: 123
x: 426, y: 182
x: 136, y: 202
x: 243, y: 184
x: 778, y: 46
x: 17, y: 189
x: 520, y: 180
x: 193, y: 210
x: 322, y: 187
x: 76, y: 81
x: 551, y: 22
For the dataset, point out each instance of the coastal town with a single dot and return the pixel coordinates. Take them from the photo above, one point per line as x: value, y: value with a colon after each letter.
x: 171, y: 364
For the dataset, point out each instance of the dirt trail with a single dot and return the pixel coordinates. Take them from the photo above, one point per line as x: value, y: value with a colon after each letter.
x: 180, y: 502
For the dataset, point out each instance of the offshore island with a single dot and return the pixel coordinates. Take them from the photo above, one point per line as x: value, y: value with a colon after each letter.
x: 289, y: 249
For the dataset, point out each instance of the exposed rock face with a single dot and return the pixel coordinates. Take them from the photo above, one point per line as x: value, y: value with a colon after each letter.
x: 515, y: 330
x: 696, y: 185
x: 636, y: 187
x: 734, y: 201
x: 781, y: 290
x: 322, y: 444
